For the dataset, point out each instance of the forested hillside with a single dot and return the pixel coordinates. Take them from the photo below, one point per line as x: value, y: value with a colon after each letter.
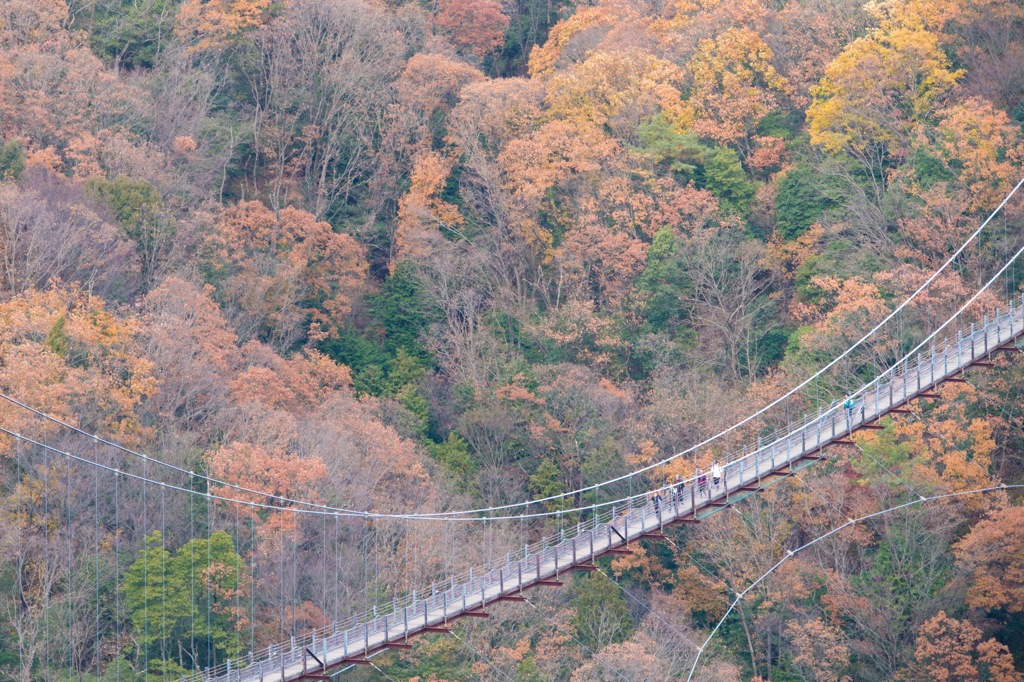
x: 414, y: 256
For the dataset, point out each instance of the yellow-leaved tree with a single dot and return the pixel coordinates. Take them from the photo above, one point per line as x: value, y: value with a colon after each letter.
x: 876, y: 91
x: 212, y: 24
x: 734, y: 84
x: 619, y: 90
x: 544, y: 59
x: 63, y: 352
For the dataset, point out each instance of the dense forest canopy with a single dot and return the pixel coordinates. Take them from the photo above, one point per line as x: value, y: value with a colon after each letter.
x: 408, y: 256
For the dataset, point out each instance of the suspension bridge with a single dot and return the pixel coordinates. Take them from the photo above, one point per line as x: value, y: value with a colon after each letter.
x: 615, y: 529
x: 610, y: 527
x: 916, y: 377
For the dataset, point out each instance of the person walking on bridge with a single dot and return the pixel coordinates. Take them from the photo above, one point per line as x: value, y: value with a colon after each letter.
x: 849, y: 405
x: 656, y: 501
x: 716, y: 472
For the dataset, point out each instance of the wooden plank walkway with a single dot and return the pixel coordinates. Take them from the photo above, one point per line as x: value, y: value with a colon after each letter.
x: 317, y: 655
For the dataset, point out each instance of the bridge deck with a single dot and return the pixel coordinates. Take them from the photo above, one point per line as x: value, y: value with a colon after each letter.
x: 328, y: 650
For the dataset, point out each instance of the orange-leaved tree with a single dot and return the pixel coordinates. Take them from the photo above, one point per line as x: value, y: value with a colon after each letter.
x: 277, y: 473
x: 993, y: 556
x: 983, y: 147
x: 479, y: 25
x: 211, y: 25
x: 63, y: 352
x: 424, y: 96
x: 422, y: 213
x: 540, y: 171
x: 819, y: 651
x: 951, y: 650
x: 584, y: 22
x: 282, y: 275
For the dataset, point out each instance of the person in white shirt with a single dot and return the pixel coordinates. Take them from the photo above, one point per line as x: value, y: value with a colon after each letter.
x: 716, y: 473
x: 655, y: 496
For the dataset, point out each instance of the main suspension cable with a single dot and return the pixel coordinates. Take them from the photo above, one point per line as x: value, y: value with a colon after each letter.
x: 475, y: 514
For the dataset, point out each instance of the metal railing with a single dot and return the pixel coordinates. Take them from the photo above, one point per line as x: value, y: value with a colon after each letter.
x: 613, y: 525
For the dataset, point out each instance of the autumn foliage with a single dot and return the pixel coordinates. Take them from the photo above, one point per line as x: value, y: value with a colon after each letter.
x: 410, y: 257
x: 277, y: 272
x: 991, y: 553
x: 478, y: 25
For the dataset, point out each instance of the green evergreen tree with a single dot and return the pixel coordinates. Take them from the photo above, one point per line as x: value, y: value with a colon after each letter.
x: 132, y: 32
x: 175, y: 601
x: 453, y: 454
x: 664, y: 281
x: 725, y: 178
x: 57, y: 339
x: 12, y: 160
x: 665, y: 146
x: 801, y: 199
x: 401, y: 311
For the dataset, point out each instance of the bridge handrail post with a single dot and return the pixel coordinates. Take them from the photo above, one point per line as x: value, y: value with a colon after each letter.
x: 903, y: 377
x: 817, y: 427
